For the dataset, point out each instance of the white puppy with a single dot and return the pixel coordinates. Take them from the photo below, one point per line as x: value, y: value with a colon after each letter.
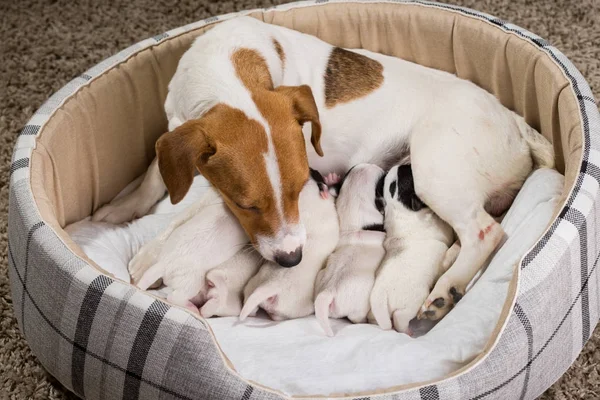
x: 416, y: 243
x: 201, y: 238
x: 286, y: 293
x: 343, y: 287
x: 225, y: 284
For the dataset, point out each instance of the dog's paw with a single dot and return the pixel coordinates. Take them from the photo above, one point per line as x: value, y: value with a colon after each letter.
x: 143, y: 260
x: 122, y: 210
x: 332, y: 178
x: 440, y: 301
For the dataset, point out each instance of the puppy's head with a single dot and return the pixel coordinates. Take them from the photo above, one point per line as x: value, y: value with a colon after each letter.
x: 359, y: 200
x: 258, y: 163
x: 399, y: 188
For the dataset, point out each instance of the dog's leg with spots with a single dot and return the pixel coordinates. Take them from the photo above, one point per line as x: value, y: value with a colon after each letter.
x: 478, y: 238
x: 457, y: 190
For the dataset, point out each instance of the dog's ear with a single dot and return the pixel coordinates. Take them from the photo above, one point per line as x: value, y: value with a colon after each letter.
x: 416, y: 204
x: 305, y: 110
x: 179, y: 153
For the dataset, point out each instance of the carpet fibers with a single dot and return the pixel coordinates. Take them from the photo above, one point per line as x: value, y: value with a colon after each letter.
x: 47, y: 43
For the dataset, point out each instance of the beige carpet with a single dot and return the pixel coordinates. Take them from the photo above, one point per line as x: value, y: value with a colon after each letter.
x: 44, y: 44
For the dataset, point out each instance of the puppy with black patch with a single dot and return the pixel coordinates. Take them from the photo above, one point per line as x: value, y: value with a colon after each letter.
x: 416, y: 242
x: 287, y: 293
x: 343, y: 287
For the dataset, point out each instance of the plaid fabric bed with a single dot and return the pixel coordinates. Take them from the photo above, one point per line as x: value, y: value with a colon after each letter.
x: 105, y: 340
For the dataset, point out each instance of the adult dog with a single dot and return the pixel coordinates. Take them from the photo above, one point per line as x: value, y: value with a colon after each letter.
x: 237, y: 105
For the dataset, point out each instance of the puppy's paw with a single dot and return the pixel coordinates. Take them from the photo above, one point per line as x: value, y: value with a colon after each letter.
x: 441, y: 300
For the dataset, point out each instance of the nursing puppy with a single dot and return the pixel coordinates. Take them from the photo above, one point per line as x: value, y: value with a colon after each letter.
x: 286, y: 293
x: 225, y: 284
x: 416, y: 243
x: 343, y: 287
x: 204, y: 236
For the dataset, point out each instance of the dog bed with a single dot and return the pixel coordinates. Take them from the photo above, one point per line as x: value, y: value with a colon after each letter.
x: 102, y: 338
x: 288, y: 356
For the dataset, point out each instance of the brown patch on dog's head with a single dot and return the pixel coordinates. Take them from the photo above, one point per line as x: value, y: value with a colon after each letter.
x: 227, y: 148
x: 280, y: 52
x: 252, y: 69
x: 349, y: 76
x: 258, y: 163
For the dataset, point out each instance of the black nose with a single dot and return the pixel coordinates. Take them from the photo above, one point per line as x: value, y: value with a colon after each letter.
x: 288, y: 260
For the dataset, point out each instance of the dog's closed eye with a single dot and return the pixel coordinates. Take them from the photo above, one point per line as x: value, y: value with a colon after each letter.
x: 247, y: 207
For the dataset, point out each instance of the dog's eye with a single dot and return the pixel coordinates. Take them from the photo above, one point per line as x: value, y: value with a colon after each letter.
x: 247, y: 208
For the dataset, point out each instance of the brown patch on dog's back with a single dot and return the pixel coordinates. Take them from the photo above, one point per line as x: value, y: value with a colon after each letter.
x: 280, y: 52
x: 252, y: 69
x: 349, y: 76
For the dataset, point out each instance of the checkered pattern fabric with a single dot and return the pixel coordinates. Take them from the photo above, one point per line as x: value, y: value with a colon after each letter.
x: 105, y: 340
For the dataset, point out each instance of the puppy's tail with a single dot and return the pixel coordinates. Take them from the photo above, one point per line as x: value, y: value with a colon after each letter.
x: 541, y: 149
x: 323, y: 302
x: 379, y: 308
x: 260, y: 294
x: 401, y: 319
x: 152, y: 274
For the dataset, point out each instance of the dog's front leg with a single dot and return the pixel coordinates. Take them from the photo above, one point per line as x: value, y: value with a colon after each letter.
x: 137, y: 203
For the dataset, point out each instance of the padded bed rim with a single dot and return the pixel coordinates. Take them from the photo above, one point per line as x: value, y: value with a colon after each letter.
x: 27, y: 142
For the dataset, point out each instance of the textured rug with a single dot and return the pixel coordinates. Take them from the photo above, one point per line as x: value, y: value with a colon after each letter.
x: 47, y: 43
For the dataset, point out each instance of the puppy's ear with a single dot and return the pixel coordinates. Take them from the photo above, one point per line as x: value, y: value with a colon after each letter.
x: 305, y: 110
x: 179, y: 153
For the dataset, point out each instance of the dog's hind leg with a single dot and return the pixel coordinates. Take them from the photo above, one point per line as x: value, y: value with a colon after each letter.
x: 479, y: 237
x: 451, y: 184
x: 137, y: 203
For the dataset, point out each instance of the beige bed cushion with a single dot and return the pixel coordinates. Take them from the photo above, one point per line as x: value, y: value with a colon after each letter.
x: 103, y: 136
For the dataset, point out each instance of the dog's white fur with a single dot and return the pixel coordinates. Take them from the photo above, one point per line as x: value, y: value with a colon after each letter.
x: 415, y: 245
x: 225, y: 284
x: 343, y: 287
x: 198, y: 240
x: 286, y: 293
x: 466, y: 149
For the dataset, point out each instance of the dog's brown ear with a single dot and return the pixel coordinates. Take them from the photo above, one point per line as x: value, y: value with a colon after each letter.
x: 179, y: 152
x: 305, y: 110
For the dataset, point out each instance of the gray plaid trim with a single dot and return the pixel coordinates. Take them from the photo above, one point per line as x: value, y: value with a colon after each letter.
x: 160, y: 37
x: 18, y: 164
x: 247, y: 393
x: 141, y: 347
x: 529, y: 331
x: 30, y: 130
x: 429, y: 393
x: 50, y: 285
x: 84, y: 326
x: 34, y: 228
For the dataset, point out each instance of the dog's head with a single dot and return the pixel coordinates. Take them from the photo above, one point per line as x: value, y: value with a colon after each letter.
x: 399, y: 188
x: 255, y: 158
x: 359, y: 200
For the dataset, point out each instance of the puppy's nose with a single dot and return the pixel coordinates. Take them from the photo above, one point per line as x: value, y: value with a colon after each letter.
x: 288, y: 260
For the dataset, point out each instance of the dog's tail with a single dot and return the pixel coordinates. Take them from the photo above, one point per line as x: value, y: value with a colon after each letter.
x: 379, y: 308
x: 323, y: 302
x: 152, y: 274
x: 541, y: 149
x: 260, y: 294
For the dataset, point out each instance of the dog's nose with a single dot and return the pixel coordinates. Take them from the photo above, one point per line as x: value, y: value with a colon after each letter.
x: 288, y: 260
